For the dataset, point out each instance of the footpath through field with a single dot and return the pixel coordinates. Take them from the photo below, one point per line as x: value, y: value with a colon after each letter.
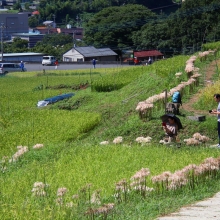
x: 209, y: 208
x: 206, y: 209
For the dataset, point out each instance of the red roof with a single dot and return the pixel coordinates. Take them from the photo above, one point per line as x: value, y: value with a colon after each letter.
x: 147, y: 53
x: 35, y: 13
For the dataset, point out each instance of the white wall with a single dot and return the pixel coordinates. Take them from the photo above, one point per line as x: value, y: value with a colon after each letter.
x: 73, y: 56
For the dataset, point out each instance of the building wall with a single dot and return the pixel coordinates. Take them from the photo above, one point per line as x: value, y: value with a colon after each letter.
x: 73, y: 56
x: 13, y: 23
x: 77, y: 33
x: 104, y: 58
x: 28, y: 58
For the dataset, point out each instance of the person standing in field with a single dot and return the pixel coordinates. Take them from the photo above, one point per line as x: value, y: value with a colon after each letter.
x: 56, y: 64
x: 217, y: 112
x: 22, y: 66
x: 93, y: 63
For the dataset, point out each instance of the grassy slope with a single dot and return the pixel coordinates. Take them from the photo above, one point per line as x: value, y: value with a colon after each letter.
x: 76, y: 163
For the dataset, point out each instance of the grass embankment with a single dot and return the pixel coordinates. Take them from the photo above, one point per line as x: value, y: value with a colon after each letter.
x: 103, y: 108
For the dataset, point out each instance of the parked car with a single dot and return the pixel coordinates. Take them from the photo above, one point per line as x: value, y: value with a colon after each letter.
x: 10, y: 67
x: 48, y: 60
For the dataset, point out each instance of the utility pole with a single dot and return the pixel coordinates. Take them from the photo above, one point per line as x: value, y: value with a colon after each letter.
x: 74, y: 39
x: 77, y: 21
x: 2, y: 48
x: 54, y: 24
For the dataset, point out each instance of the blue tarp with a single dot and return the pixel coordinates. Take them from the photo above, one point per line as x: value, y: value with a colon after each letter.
x: 54, y: 99
x: 58, y: 98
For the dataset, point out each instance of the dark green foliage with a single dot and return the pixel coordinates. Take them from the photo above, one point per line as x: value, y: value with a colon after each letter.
x: 33, y: 21
x: 118, y: 22
x: 193, y: 24
x: 54, y: 44
x: 129, y: 24
x: 17, y: 46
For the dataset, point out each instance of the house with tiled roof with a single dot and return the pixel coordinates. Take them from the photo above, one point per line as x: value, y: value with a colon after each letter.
x: 82, y: 54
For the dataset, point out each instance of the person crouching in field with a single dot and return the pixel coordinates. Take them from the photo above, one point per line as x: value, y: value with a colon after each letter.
x: 171, y: 129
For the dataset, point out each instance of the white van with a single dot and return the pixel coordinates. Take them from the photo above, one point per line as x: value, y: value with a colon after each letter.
x: 48, y: 60
x: 10, y: 67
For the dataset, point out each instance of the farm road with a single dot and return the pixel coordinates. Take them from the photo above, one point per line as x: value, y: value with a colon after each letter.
x: 205, y: 210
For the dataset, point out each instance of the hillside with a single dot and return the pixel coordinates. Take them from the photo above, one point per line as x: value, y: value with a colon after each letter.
x: 54, y: 167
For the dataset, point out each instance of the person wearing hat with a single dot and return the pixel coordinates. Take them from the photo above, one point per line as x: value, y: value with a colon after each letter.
x: 170, y: 129
x: 22, y: 66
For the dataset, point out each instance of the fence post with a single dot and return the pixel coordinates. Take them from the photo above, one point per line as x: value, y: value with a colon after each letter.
x: 165, y: 100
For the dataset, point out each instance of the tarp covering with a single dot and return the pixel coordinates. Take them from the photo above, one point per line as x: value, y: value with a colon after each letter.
x: 54, y: 99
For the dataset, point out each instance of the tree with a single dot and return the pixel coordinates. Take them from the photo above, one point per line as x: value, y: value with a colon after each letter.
x: 193, y: 21
x: 18, y: 46
x: 113, y: 26
x: 17, y: 6
x: 27, y: 5
x: 187, y: 28
x: 33, y: 21
x: 54, y: 44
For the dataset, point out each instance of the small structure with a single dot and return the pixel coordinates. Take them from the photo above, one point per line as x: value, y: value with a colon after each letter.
x: 82, y: 54
x: 146, y: 54
x: 197, y: 118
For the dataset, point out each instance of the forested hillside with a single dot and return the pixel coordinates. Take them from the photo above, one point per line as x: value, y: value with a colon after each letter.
x: 134, y: 24
x: 68, y: 8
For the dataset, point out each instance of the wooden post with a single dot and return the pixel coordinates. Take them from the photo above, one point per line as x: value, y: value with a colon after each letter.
x: 165, y: 99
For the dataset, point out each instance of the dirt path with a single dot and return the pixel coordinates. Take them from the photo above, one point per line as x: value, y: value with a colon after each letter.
x: 210, y: 71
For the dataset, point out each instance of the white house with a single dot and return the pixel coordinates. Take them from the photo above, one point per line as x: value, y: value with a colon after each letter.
x: 81, y: 54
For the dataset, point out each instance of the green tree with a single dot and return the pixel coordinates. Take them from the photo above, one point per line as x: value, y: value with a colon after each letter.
x: 33, y: 21
x: 192, y: 23
x: 187, y: 28
x: 17, y: 6
x: 17, y: 46
x: 27, y: 5
x: 54, y: 44
x: 113, y: 26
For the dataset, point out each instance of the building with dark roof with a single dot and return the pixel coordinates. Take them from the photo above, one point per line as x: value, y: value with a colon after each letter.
x: 81, y: 54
